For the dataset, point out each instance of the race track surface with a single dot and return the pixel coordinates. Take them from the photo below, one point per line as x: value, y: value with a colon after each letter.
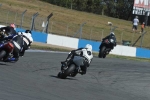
x: 34, y: 77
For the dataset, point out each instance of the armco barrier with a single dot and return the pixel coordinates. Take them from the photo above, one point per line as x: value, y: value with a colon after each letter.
x: 37, y: 36
x: 20, y: 30
x: 118, y: 50
x: 143, y: 53
x: 124, y: 51
x: 62, y: 41
x: 83, y: 42
x: 77, y: 43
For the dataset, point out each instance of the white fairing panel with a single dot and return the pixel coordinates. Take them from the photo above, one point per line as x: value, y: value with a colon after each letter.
x: 89, y: 57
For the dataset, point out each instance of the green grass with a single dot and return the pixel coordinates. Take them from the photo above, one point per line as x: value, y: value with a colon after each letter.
x: 129, y: 58
x: 62, y: 17
x: 48, y: 48
x: 94, y: 53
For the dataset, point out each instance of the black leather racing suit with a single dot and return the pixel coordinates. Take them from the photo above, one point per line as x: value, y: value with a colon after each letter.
x: 8, y: 30
x: 110, y: 36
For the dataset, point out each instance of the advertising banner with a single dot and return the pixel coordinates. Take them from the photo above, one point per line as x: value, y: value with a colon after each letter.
x: 141, y: 7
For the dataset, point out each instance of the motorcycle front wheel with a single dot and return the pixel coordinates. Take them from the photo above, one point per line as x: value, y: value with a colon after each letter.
x: 70, y: 69
x: 64, y: 73
x: 102, y: 53
x: 2, y: 54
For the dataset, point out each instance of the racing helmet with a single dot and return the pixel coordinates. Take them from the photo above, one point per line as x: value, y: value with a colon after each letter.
x: 89, y: 47
x: 28, y: 31
x: 112, y: 33
x: 2, y: 33
x: 13, y: 25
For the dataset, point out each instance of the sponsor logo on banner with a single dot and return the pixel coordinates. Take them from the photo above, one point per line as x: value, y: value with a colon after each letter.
x: 142, y: 3
x: 141, y: 7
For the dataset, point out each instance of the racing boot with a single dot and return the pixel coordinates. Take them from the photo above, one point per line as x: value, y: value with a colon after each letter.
x: 81, y: 72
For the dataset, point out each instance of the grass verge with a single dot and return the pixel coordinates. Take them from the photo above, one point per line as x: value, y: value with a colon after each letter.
x: 39, y: 47
x: 95, y: 53
x: 129, y: 58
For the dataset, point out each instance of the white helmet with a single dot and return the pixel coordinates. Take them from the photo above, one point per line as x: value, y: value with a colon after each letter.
x: 112, y: 33
x: 89, y: 47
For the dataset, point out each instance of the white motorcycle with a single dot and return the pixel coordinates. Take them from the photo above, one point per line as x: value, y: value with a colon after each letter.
x: 73, y: 67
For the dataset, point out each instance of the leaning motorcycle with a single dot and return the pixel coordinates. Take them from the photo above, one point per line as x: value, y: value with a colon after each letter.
x: 72, y: 67
x: 106, y: 46
x: 6, y: 48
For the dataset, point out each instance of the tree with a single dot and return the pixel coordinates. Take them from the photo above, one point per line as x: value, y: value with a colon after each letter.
x: 114, y: 8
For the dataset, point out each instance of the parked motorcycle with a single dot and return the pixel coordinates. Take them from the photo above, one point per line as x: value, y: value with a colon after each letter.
x: 6, y: 48
x: 72, y: 68
x: 106, y: 46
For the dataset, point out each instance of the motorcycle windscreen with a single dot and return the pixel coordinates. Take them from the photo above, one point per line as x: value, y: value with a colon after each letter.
x: 78, y: 60
x: 112, y: 40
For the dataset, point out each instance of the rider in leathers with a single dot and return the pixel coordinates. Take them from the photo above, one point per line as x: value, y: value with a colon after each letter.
x: 111, y: 35
x: 9, y: 30
x: 16, y: 40
x: 77, y: 52
x: 27, y: 40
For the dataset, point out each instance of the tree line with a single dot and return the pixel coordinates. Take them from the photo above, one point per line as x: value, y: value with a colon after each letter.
x: 121, y: 9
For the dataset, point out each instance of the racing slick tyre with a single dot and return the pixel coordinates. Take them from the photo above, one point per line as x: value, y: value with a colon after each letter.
x: 2, y: 54
x: 66, y: 72
x: 61, y: 75
x: 102, y: 52
x: 99, y: 54
x: 70, y: 70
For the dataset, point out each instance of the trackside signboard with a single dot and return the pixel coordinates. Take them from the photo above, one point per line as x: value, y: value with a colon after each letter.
x: 140, y: 7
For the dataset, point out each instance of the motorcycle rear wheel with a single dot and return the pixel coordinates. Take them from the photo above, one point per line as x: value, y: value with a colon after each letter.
x: 74, y: 74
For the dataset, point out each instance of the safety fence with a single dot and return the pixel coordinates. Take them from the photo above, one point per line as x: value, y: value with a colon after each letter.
x: 37, y: 22
x: 75, y: 43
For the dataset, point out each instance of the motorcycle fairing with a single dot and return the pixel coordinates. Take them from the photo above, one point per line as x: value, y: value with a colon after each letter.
x: 78, y: 60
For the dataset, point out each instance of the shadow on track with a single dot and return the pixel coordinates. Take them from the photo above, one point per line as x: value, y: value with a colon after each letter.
x: 63, y: 79
x: 2, y: 64
x: 5, y: 63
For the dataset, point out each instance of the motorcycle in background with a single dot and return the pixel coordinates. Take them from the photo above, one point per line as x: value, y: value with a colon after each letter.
x: 106, y: 46
x: 107, y: 43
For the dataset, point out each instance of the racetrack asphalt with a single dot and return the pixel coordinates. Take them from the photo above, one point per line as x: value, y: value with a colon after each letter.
x: 34, y: 77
